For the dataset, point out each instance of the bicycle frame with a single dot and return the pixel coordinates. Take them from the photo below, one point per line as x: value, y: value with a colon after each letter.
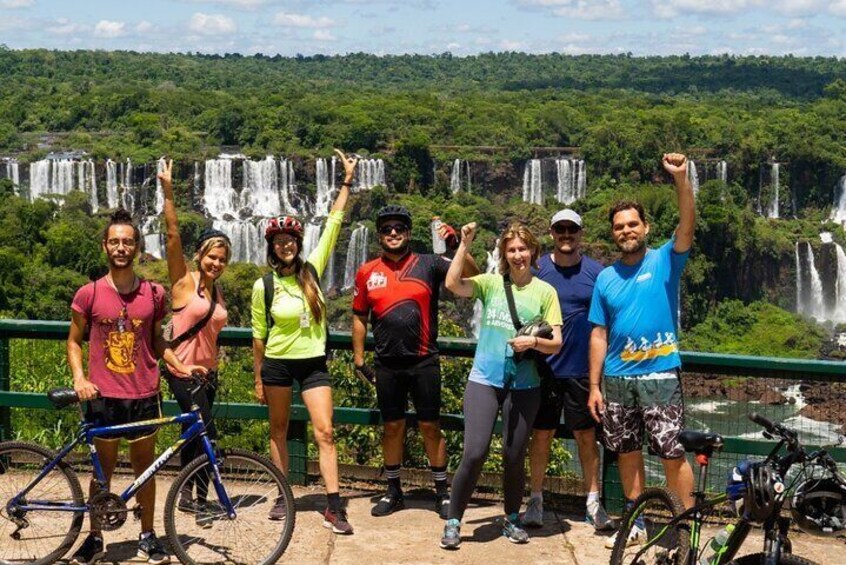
x: 88, y: 433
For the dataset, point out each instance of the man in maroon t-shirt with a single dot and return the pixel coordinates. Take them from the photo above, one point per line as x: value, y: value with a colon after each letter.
x: 123, y: 315
x: 400, y: 291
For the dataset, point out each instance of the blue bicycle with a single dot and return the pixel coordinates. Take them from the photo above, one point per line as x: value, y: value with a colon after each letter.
x: 42, y: 506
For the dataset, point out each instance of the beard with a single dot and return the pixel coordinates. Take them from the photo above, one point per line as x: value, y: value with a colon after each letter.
x: 631, y: 246
x: 397, y: 250
x: 118, y: 263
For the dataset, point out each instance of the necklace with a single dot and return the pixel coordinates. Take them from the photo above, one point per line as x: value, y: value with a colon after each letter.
x: 124, y: 313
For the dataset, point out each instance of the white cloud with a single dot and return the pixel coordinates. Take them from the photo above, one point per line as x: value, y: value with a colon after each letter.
x: 144, y: 27
x: 243, y: 4
x: 211, y: 24
x: 64, y: 26
x: 509, y: 45
x: 453, y: 46
x: 673, y: 8
x: 798, y: 7
x: 286, y: 19
x: 16, y: 3
x: 838, y: 8
x: 324, y: 35
x: 579, y: 9
x: 109, y: 30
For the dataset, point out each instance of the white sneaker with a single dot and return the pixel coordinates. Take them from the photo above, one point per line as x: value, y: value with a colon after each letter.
x: 636, y: 536
x: 533, y: 517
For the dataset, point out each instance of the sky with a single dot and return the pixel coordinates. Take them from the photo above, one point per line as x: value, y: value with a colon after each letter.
x: 290, y: 27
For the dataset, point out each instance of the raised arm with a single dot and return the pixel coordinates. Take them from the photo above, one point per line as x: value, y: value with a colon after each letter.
x: 447, y: 233
x: 349, y: 171
x: 177, y: 269
x: 454, y: 281
x: 676, y: 165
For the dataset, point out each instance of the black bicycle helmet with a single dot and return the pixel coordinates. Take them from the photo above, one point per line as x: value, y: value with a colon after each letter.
x: 764, y: 485
x: 393, y: 211
x: 819, y: 507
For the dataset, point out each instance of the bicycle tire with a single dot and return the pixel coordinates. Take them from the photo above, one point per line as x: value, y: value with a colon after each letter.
x: 758, y: 559
x: 657, y: 506
x: 254, y: 485
x: 20, y: 462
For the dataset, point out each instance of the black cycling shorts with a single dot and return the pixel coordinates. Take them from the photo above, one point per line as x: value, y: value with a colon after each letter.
x: 119, y: 411
x: 395, y: 380
x: 310, y: 373
x: 569, y: 395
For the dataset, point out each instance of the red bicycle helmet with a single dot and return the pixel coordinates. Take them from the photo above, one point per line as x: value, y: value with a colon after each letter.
x: 283, y: 224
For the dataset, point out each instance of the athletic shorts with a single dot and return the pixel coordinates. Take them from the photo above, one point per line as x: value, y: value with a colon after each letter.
x: 119, y: 411
x: 310, y: 373
x: 569, y: 395
x: 650, y: 403
x: 396, y: 380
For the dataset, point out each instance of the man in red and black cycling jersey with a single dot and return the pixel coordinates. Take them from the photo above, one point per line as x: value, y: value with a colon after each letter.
x: 400, y: 291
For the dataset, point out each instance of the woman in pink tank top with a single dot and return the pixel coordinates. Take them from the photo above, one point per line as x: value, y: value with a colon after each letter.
x: 194, y: 296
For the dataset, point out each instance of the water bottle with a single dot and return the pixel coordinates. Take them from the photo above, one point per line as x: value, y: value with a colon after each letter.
x: 438, y: 244
x: 717, y: 543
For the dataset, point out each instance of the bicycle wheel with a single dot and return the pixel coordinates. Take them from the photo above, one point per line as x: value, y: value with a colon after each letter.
x: 662, y: 544
x: 36, y: 536
x: 759, y: 559
x: 207, y: 535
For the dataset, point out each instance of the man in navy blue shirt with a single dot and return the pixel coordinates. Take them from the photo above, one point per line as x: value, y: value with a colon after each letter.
x: 566, y: 387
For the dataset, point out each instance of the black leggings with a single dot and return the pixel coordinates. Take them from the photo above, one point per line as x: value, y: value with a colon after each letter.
x: 181, y: 389
x: 481, y: 406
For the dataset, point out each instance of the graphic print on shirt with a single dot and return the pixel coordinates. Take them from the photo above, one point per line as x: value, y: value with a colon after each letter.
x: 121, y: 343
x: 645, y: 349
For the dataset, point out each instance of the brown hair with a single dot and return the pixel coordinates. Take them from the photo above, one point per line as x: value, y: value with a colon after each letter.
x: 306, y: 280
x: 212, y: 243
x: 513, y: 231
x: 626, y: 205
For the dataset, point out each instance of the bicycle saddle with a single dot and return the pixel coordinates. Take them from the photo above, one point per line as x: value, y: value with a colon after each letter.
x: 61, y: 397
x: 700, y: 442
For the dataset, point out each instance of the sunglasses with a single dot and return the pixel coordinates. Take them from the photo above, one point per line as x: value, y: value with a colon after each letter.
x: 389, y: 228
x: 566, y: 228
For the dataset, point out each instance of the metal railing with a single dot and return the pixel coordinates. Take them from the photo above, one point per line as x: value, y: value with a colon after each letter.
x: 731, y: 376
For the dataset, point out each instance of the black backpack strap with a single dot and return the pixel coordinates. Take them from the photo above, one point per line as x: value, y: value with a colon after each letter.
x: 267, y: 280
x: 509, y: 297
x: 195, y: 329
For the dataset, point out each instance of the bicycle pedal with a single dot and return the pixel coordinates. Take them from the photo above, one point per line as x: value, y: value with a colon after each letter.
x: 136, y: 512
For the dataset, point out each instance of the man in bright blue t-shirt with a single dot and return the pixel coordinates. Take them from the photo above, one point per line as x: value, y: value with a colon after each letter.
x: 634, y: 344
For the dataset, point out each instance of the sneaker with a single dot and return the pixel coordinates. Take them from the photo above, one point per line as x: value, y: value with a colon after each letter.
x: 389, y: 504
x: 204, y: 515
x: 90, y: 552
x: 599, y: 519
x: 186, y: 503
x: 533, y: 516
x: 337, y: 521
x: 151, y: 549
x: 279, y: 510
x: 442, y: 504
x: 636, y: 536
x: 452, y: 535
x: 512, y: 529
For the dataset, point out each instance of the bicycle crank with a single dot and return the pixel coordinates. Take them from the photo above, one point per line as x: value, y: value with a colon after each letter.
x: 108, y: 511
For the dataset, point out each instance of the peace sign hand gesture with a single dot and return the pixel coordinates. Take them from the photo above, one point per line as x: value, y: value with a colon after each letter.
x: 166, y: 176
x: 350, y: 163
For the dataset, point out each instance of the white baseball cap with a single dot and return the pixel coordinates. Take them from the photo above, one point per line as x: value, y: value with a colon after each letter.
x: 566, y: 215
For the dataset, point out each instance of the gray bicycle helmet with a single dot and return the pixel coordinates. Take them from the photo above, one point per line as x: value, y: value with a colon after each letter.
x: 819, y: 507
x: 393, y: 211
x: 762, y: 491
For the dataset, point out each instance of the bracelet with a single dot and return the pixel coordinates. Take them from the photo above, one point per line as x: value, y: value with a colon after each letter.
x: 347, y: 184
x: 595, y: 384
x: 536, y: 341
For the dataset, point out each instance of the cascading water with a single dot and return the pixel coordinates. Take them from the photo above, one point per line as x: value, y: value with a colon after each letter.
x: 310, y: 238
x: 261, y: 193
x: 693, y: 176
x: 111, y: 184
x: 356, y: 255
x: 838, y: 214
x: 571, y: 180
x: 533, y: 182
x: 220, y: 198
x: 287, y: 186
x: 722, y: 171
x: 772, y: 210
x: 11, y: 170
x: 810, y: 301
x: 59, y: 176
x: 325, y: 189
x: 369, y: 174
x: 491, y: 267
x: 455, y: 177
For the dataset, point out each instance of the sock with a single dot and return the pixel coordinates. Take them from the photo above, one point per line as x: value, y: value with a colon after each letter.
x: 334, y: 500
x: 145, y: 535
x: 639, y: 520
x: 592, y: 501
x: 538, y: 494
x: 392, y: 472
x: 439, y: 475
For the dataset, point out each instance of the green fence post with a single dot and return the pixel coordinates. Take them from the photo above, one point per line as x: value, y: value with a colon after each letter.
x: 5, y: 384
x: 297, y: 444
x: 612, y: 487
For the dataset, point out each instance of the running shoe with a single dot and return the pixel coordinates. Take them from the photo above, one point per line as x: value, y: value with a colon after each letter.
x: 442, y: 504
x: 337, y: 521
x: 389, y: 504
x: 533, y: 516
x: 205, y: 515
x: 279, y: 510
x: 636, y: 536
x: 151, y: 549
x: 90, y: 552
x: 452, y: 534
x: 186, y: 503
x: 599, y: 519
x: 512, y: 529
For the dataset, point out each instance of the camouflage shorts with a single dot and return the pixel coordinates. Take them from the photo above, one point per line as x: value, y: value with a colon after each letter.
x: 651, y: 403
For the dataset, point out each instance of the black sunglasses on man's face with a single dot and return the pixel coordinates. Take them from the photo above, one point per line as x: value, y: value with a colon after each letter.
x: 388, y: 228
x: 566, y: 228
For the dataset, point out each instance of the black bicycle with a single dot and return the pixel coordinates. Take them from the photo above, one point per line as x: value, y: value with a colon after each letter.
x: 42, y: 506
x: 657, y: 529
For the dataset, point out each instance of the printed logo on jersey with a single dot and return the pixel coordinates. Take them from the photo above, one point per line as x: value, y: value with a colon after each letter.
x: 643, y: 277
x: 660, y: 347
x: 377, y: 280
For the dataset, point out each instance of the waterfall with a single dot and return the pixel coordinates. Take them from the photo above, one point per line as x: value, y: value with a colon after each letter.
x: 195, y: 188
x: 772, y: 211
x: 800, y: 305
x: 287, y: 186
x: 111, y: 184
x: 455, y: 177
x: 838, y: 214
x: 310, y: 238
x: 247, y: 239
x: 571, y: 180
x: 127, y: 195
x: 12, y: 172
x: 532, y: 182
x: 323, y: 198
x: 356, y: 255
x: 261, y: 187
x: 59, y: 176
x: 816, y: 305
x: 492, y: 264
x: 693, y: 176
x: 369, y: 174
x: 328, y: 280
x: 840, y: 295
x: 160, y: 167
x: 722, y: 171
x: 220, y: 198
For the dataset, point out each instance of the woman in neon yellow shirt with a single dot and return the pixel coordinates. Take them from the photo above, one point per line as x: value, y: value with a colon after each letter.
x: 294, y: 344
